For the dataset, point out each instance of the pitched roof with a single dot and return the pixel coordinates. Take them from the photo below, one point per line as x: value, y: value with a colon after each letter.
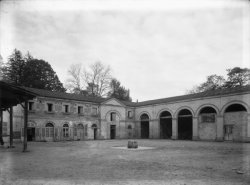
x: 68, y: 96
x: 62, y: 95
x: 211, y: 93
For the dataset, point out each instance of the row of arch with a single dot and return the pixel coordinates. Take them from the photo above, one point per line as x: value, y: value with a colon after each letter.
x: 184, y: 120
x: 238, y: 106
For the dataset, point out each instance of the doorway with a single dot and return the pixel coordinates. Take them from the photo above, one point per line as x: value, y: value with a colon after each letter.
x: 144, y: 126
x: 165, y: 125
x: 112, y: 131
x: 31, y: 134
x: 228, y: 132
x: 185, y: 125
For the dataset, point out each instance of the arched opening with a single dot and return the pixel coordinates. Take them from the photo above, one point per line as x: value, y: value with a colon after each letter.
x: 144, y: 126
x: 49, y: 131
x: 165, y: 125
x: 207, y: 115
x: 185, y: 125
x: 235, y: 108
x: 65, y: 130
x: 94, y: 127
x: 235, y: 122
x: 80, y: 131
x: 207, y: 123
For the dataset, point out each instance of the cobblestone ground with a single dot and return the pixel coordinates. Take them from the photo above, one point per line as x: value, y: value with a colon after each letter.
x: 100, y: 162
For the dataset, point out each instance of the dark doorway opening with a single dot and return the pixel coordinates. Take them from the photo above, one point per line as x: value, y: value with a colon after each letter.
x: 95, y: 133
x: 144, y: 129
x: 165, y: 125
x: 31, y: 134
x: 185, y: 125
x: 144, y: 126
x: 112, y: 131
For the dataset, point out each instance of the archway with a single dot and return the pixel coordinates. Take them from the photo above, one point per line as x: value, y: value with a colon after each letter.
x: 144, y: 126
x: 185, y: 125
x: 207, y: 123
x: 165, y: 125
x: 49, y: 131
x: 65, y: 130
x: 80, y: 131
x: 94, y: 127
x: 235, y: 122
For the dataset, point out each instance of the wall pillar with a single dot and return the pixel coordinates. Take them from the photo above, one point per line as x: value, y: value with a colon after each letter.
x: 219, y: 128
x: 195, y: 128
x: 248, y: 127
x: 11, y: 127
x: 174, y: 129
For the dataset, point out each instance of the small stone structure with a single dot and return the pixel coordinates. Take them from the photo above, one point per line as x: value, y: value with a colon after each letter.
x: 132, y: 144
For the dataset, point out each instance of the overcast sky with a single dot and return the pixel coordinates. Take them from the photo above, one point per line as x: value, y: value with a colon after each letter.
x: 155, y: 48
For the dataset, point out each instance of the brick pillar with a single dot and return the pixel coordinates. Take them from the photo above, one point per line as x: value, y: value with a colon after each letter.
x: 174, y: 129
x: 195, y: 128
x: 219, y: 128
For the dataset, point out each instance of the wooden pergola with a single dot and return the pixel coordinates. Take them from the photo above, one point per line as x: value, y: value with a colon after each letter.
x: 12, y: 95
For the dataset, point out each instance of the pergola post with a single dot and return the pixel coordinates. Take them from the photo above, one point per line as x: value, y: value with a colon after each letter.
x: 25, y: 125
x: 1, y: 126
x: 11, y: 127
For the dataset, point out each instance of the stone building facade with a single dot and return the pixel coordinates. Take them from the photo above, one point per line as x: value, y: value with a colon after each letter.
x: 215, y: 116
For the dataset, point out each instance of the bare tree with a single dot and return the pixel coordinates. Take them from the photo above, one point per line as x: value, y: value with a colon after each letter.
x: 74, y: 83
x: 95, y: 79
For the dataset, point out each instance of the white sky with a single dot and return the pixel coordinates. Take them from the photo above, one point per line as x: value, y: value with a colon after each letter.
x: 156, y: 48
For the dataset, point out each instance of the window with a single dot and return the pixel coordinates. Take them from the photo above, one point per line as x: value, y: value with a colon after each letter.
x: 31, y: 106
x: 49, y: 130
x: 65, y: 130
x: 129, y: 114
x: 208, y: 118
x: 50, y: 107
x: 66, y: 108
x: 80, y: 110
x: 94, y: 111
x: 112, y: 116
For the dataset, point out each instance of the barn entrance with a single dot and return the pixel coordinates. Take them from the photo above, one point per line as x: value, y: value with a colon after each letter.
x: 165, y: 125
x: 144, y: 126
x: 112, y: 131
x: 185, y: 125
x: 31, y: 134
x: 235, y: 120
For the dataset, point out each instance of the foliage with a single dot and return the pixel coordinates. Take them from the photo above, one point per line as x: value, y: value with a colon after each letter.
x: 118, y: 91
x: 235, y: 77
x: 39, y: 74
x: 30, y: 72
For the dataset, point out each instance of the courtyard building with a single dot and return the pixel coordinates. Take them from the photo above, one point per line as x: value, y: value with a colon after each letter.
x: 219, y: 115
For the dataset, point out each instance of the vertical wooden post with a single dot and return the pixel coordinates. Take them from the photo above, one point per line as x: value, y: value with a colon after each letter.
x: 1, y: 126
x: 25, y: 125
x: 11, y: 127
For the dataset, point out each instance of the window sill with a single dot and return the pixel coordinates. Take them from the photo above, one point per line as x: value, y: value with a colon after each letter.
x: 31, y: 111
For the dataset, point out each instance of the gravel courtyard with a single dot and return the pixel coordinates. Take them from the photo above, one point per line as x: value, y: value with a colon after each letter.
x: 100, y: 162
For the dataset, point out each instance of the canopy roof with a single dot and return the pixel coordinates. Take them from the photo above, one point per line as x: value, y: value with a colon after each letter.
x: 12, y: 95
